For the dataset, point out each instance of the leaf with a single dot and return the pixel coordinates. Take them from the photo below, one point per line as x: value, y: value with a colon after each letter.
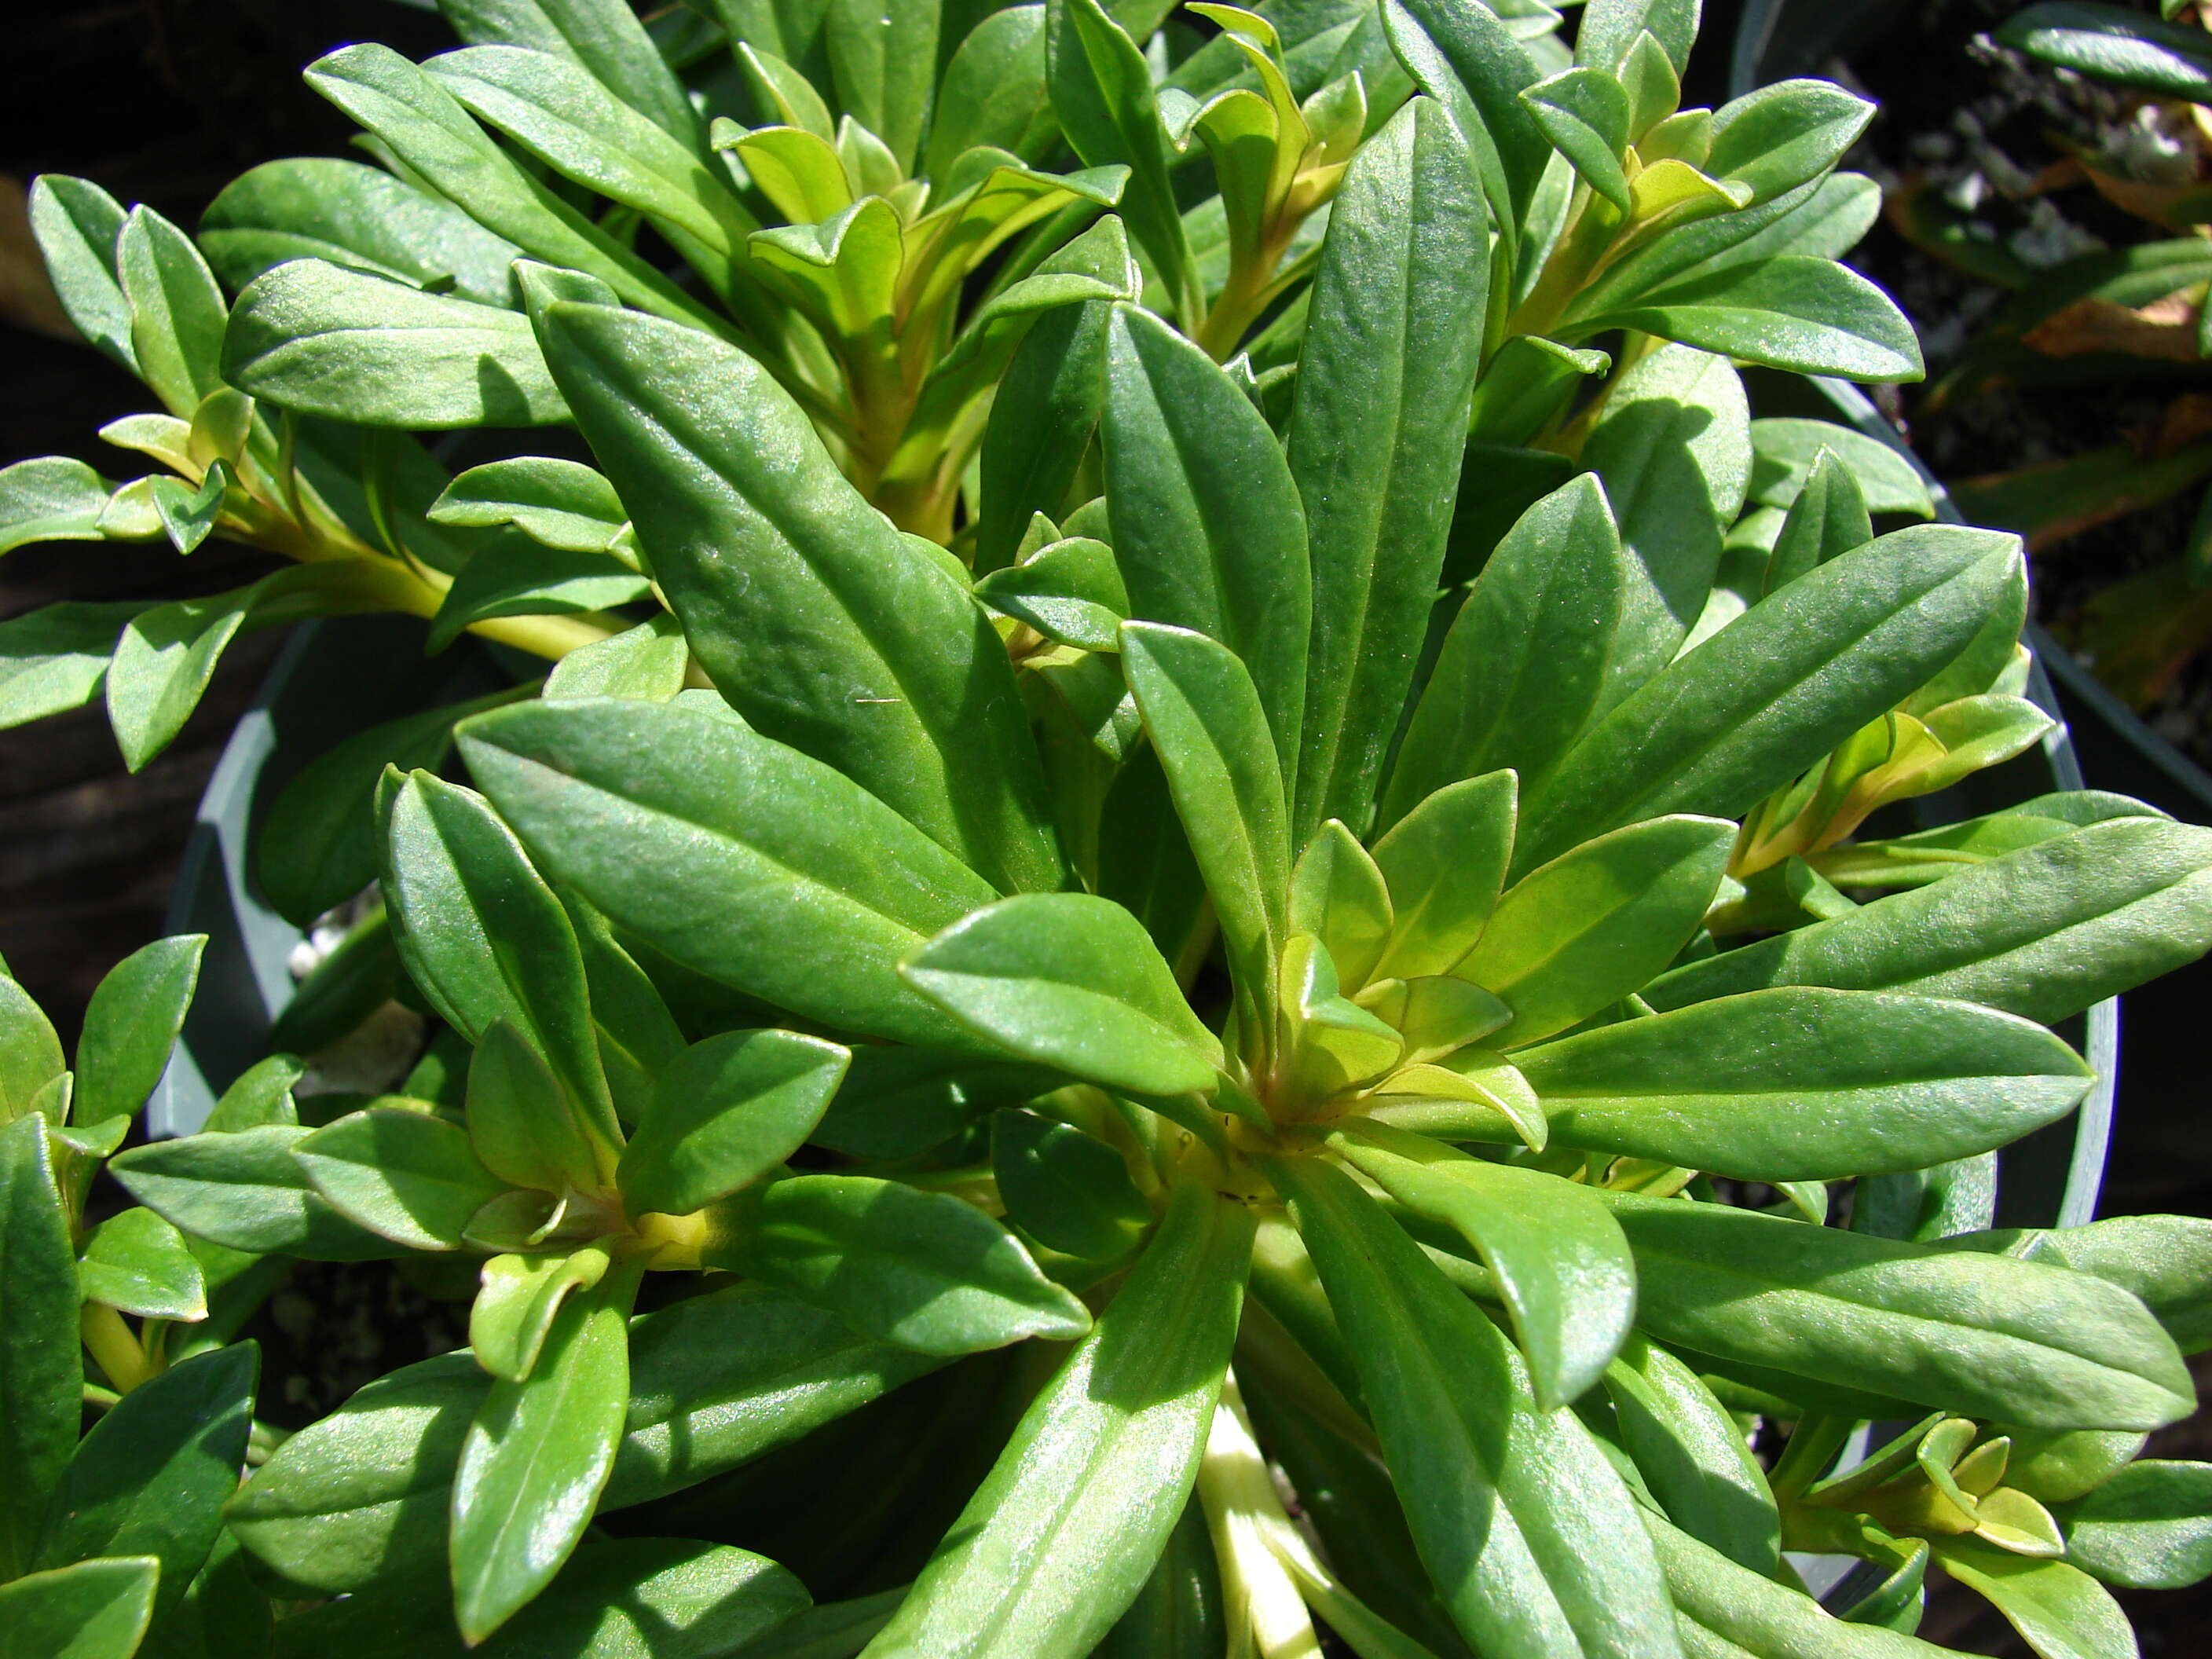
x: 55, y: 658
x: 40, y: 1368
x: 1829, y: 517
x: 993, y: 92
x: 535, y: 1458
x: 525, y: 1127
x: 188, y: 516
x: 485, y: 939
x: 2108, y: 44
x: 884, y: 60
x: 161, y: 666
x: 1670, y: 447
x: 815, y: 618
x: 1982, y: 1336
x: 2159, y: 1258
x: 132, y: 1024
x: 1068, y: 589
x: 137, y: 1263
x: 243, y: 1189
x: 726, y: 1112
x: 1597, y: 923
x: 897, y: 1102
x: 92, y: 1610
x: 1693, y: 1456
x: 1445, y: 863
x: 1339, y: 896
x: 1385, y: 379
x: 1783, y: 450
x: 1068, y: 1190
x: 653, y: 1598
x: 1801, y: 1085
x: 405, y: 1175
x: 516, y: 1301
x: 1791, y: 311
x: 259, y: 1096
x: 2043, y: 932
x: 78, y: 225
x: 1526, y: 1530
x: 651, y: 661
x: 1726, y: 1609
x: 1585, y: 112
x: 1102, y: 96
x: 1780, y: 686
x: 1071, y: 981
x: 1207, y: 528
x: 2149, y: 1527
x: 177, y: 311
x: 1465, y: 58
x: 150, y: 1477
x: 30, y: 1054
x: 920, y: 1269
x: 320, y: 339
x: 515, y: 577
x: 2062, y: 1612
x: 560, y: 504
x: 361, y: 217
x: 711, y: 843
x: 1557, y: 1257
x: 1211, y: 732
x: 1784, y: 134
x: 1041, y: 423
x: 52, y: 499
x: 1062, y: 1534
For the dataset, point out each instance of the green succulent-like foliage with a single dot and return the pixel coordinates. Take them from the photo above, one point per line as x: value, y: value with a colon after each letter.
x: 1185, y: 852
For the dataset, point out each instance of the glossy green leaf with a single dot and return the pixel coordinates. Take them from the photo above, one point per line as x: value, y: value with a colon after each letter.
x: 1784, y: 134
x: 1525, y: 1528
x: 1102, y: 96
x: 1692, y: 1455
x: 258, y: 1097
x: 1557, y: 1257
x: 535, y: 1457
x: 1064, y: 1531
x: 1210, y: 732
x: 1385, y: 377
x: 150, y: 1477
x: 562, y: 504
x: 712, y: 843
x: 162, y: 665
x: 1042, y: 420
x: 1585, y: 112
x: 725, y: 1113
x: 244, y: 1190
x: 409, y: 1176
x: 883, y: 60
x: 1791, y: 311
x: 1670, y: 447
x: 177, y: 311
x: 993, y: 92
x: 361, y: 217
x: 1466, y: 59
x: 1829, y: 517
x: 188, y: 516
x: 55, y: 658
x: 897, y: 1102
x: 1783, y: 450
x: 52, y: 499
x: 132, y: 1024
x: 40, y: 1370
x: 651, y: 661
x: 515, y: 577
x: 1797, y: 1084
x: 2110, y: 44
x: 1445, y: 862
x: 883, y: 664
x: 1979, y: 1335
x: 1339, y: 894
x: 30, y: 1054
x: 1068, y: 589
x: 2043, y: 932
x: 95, y: 1610
x: 1596, y: 923
x: 1778, y: 688
x: 526, y: 1127
x: 2148, y: 1527
x: 923, y: 1270
x: 78, y: 225
x: 486, y: 940
x: 517, y: 1298
x: 1069, y: 1191
x: 1071, y: 981
x: 2062, y: 1612
x: 137, y: 1263
x: 1208, y: 526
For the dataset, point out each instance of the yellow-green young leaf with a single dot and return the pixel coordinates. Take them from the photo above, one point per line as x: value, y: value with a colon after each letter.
x: 523, y: 1125
x: 725, y: 1113
x: 1067, y: 1190
x: 1339, y: 896
x: 536, y: 1457
x: 1435, y: 1013
x: 1559, y: 1259
x: 1529, y: 1535
x: 516, y: 1300
x: 1481, y: 1095
x: 1444, y: 862
x: 2062, y: 1612
x: 409, y: 1176
x: 41, y: 1369
x: 1597, y: 923
x: 137, y: 1263
x: 1073, y: 982
x: 96, y: 1609
x: 923, y: 1270
x: 1066, y: 1527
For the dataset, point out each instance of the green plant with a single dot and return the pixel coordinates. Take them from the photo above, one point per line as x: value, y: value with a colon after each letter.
x: 1352, y: 951
x: 2112, y: 318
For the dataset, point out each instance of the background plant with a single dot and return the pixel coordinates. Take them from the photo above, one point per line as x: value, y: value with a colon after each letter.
x: 1349, y: 935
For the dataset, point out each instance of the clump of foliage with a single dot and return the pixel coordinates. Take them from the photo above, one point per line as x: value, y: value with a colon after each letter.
x: 1241, y: 1018
x: 2112, y: 318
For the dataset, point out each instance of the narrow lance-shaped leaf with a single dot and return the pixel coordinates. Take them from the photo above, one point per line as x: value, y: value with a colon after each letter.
x: 408, y: 1176
x: 1691, y: 1455
x: 131, y: 1025
x: 1065, y: 1529
x: 725, y: 1112
x: 41, y: 1371
x: 812, y: 613
x: 603, y: 37
x: 1393, y: 336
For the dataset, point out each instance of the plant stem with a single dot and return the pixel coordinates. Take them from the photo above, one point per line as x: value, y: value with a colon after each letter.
x: 112, y: 1345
